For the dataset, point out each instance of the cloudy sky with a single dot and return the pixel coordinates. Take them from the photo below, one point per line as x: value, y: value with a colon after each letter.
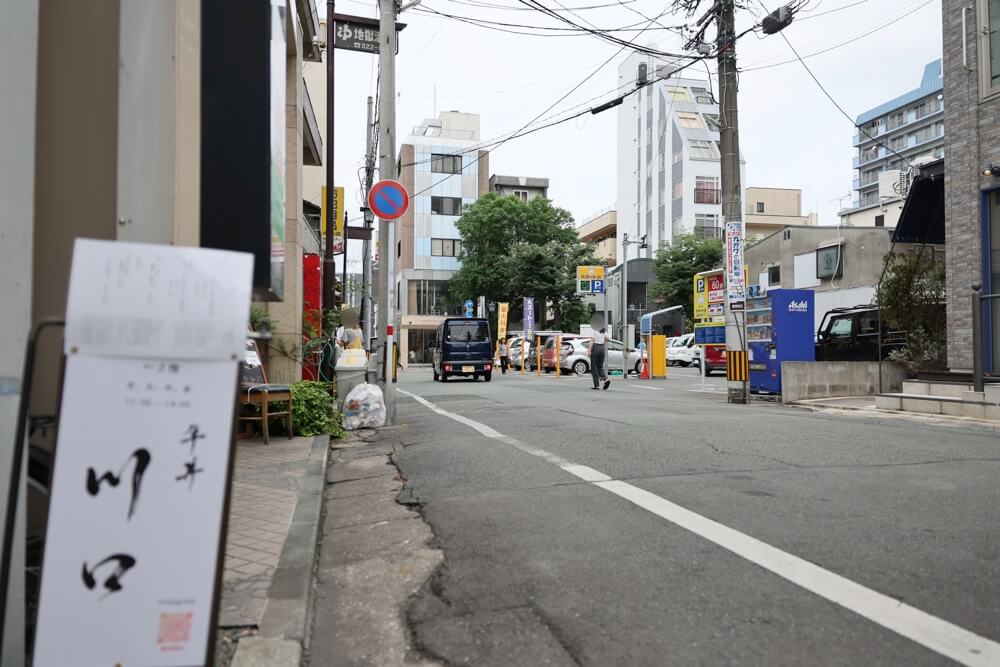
x: 864, y: 52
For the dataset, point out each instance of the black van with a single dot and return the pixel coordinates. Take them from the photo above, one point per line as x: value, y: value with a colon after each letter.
x: 464, y: 348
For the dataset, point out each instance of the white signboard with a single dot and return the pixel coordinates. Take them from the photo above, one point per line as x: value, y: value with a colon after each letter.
x: 142, y: 459
x: 736, y: 290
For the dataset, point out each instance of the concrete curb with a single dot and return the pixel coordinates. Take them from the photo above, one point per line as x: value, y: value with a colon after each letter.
x: 286, y: 617
x: 949, y: 420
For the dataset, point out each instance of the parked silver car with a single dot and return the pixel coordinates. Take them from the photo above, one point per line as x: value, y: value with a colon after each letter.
x: 574, y: 357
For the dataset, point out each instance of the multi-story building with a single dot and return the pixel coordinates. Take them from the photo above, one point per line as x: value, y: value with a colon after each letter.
x: 910, y: 126
x: 602, y: 231
x: 668, y: 156
x: 524, y: 188
x: 972, y: 173
x: 769, y: 209
x: 444, y: 171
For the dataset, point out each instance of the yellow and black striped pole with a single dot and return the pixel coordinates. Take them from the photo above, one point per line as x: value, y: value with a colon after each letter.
x: 737, y: 366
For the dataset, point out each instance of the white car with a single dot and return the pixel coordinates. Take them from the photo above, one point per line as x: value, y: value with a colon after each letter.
x: 682, y: 351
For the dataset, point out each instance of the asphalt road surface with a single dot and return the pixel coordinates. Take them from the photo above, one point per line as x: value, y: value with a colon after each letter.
x: 653, y: 524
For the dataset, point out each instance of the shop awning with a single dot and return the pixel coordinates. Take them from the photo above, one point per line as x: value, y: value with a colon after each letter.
x: 922, y: 218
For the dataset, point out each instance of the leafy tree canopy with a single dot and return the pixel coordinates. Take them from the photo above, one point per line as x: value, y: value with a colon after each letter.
x: 676, y: 265
x: 513, y: 249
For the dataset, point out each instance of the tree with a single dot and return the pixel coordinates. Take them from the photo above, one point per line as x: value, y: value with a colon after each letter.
x: 912, y: 297
x: 512, y: 248
x: 675, y: 266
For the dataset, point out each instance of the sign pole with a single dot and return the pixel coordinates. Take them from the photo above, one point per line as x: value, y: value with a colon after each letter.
x: 329, y: 268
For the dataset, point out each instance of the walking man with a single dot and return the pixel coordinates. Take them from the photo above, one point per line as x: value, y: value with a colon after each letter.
x: 599, y: 359
x: 504, y: 360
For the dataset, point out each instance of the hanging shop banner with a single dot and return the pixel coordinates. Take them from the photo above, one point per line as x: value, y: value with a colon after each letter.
x: 502, y: 320
x: 529, y: 317
x: 154, y: 335
x: 735, y: 275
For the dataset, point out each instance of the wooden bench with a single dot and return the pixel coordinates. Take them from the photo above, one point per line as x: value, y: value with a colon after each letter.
x: 256, y: 391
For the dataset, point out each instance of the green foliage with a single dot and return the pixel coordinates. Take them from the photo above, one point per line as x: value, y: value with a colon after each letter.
x: 514, y: 249
x: 911, y: 296
x: 312, y: 410
x: 676, y: 265
x: 260, y: 319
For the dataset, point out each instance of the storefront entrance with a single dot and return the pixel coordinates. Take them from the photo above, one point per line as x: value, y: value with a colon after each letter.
x: 421, y: 345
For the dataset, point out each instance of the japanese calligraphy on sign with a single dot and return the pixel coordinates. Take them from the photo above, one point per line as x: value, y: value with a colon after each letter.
x: 356, y: 37
x: 736, y: 291
x: 145, y: 437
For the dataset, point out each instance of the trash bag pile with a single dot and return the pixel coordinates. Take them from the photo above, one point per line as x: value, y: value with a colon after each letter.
x: 364, y: 408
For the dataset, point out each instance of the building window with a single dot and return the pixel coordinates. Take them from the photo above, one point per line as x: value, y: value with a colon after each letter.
x: 446, y: 164
x: 706, y: 190
x: 691, y: 120
x: 869, y: 154
x: 427, y: 297
x: 760, y: 207
x: 713, y: 122
x: 701, y: 149
x: 521, y: 194
x: 989, y: 31
x: 774, y: 275
x: 446, y: 205
x: 897, y: 119
x: 446, y: 248
x: 897, y: 143
x: 706, y: 225
x: 678, y: 190
x: 678, y: 94
x: 880, y: 221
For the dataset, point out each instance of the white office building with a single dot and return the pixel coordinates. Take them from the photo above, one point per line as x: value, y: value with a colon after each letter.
x: 668, y: 157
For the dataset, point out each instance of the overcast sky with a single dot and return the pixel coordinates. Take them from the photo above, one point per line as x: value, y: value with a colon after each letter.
x: 791, y: 135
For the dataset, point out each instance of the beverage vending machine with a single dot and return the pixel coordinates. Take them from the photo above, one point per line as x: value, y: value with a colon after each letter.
x: 779, y: 328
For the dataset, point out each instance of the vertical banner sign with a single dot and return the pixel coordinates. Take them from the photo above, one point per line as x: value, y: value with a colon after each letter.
x: 529, y: 317
x: 700, y: 297
x: 278, y: 111
x: 153, y: 337
x: 735, y: 274
x: 502, y: 320
x: 338, y: 207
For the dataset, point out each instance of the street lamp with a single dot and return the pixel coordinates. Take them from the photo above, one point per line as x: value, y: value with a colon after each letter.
x: 624, y: 295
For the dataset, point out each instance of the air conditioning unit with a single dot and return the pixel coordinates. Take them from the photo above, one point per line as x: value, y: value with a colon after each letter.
x: 893, y: 184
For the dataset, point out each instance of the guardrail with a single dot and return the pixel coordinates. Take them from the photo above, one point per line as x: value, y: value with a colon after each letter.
x: 978, y: 298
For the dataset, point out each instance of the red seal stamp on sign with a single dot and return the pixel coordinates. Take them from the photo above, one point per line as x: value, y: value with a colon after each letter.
x: 175, y: 631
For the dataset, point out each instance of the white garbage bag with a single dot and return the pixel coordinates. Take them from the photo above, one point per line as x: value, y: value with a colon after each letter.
x: 364, y: 408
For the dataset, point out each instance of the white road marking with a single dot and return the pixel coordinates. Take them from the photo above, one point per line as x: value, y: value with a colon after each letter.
x: 936, y: 634
x: 642, y: 386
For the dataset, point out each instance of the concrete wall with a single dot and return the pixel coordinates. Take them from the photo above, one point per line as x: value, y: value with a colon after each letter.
x: 972, y: 140
x: 801, y: 380
x: 18, y: 60
x: 777, y: 201
x: 865, y: 217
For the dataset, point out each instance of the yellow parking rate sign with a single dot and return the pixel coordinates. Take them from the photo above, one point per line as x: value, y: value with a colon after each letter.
x: 590, y: 280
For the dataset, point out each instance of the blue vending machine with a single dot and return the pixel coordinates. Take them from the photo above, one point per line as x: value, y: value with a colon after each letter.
x: 779, y: 328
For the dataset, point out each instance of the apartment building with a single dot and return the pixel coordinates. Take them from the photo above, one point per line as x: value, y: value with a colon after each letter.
x: 909, y: 126
x: 602, y: 230
x: 668, y: 155
x: 444, y: 171
x: 524, y: 188
x: 972, y: 173
x: 769, y: 209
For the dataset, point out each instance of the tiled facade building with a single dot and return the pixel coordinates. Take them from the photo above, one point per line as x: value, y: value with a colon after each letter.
x: 442, y: 168
x: 972, y: 144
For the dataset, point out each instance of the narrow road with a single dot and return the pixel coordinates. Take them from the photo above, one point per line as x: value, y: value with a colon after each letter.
x: 654, y: 524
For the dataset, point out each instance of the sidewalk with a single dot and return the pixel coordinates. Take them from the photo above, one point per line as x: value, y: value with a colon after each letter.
x: 865, y: 406
x: 270, y: 489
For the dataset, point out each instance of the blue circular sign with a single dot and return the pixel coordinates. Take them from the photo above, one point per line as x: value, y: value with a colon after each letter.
x: 388, y: 199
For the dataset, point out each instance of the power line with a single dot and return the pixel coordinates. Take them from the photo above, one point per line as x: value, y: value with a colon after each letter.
x: 831, y: 98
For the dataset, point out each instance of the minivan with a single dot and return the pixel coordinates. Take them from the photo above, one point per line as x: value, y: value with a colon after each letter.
x: 465, y: 348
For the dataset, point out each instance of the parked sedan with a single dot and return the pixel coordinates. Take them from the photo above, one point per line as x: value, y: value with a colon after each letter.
x: 574, y: 357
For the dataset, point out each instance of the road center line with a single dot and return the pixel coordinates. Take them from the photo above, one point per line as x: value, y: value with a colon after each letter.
x: 936, y: 634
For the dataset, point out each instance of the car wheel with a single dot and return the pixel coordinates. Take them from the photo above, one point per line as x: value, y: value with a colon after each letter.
x: 580, y: 367
x: 488, y: 376
x: 444, y: 378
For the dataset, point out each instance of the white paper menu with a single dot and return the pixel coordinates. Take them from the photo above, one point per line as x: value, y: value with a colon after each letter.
x: 142, y: 457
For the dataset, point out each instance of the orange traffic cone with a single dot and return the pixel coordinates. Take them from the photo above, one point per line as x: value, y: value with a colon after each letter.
x: 644, y: 374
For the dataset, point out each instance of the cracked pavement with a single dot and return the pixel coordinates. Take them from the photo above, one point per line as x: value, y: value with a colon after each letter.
x: 542, y: 568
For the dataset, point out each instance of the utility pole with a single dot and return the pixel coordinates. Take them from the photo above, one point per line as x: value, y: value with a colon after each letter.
x: 387, y: 228
x: 329, y: 267
x: 366, y: 253
x: 732, y: 201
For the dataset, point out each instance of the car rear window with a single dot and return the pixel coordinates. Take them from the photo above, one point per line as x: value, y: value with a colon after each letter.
x: 468, y: 332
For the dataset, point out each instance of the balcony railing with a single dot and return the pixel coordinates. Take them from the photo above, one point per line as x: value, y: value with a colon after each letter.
x: 707, y: 196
